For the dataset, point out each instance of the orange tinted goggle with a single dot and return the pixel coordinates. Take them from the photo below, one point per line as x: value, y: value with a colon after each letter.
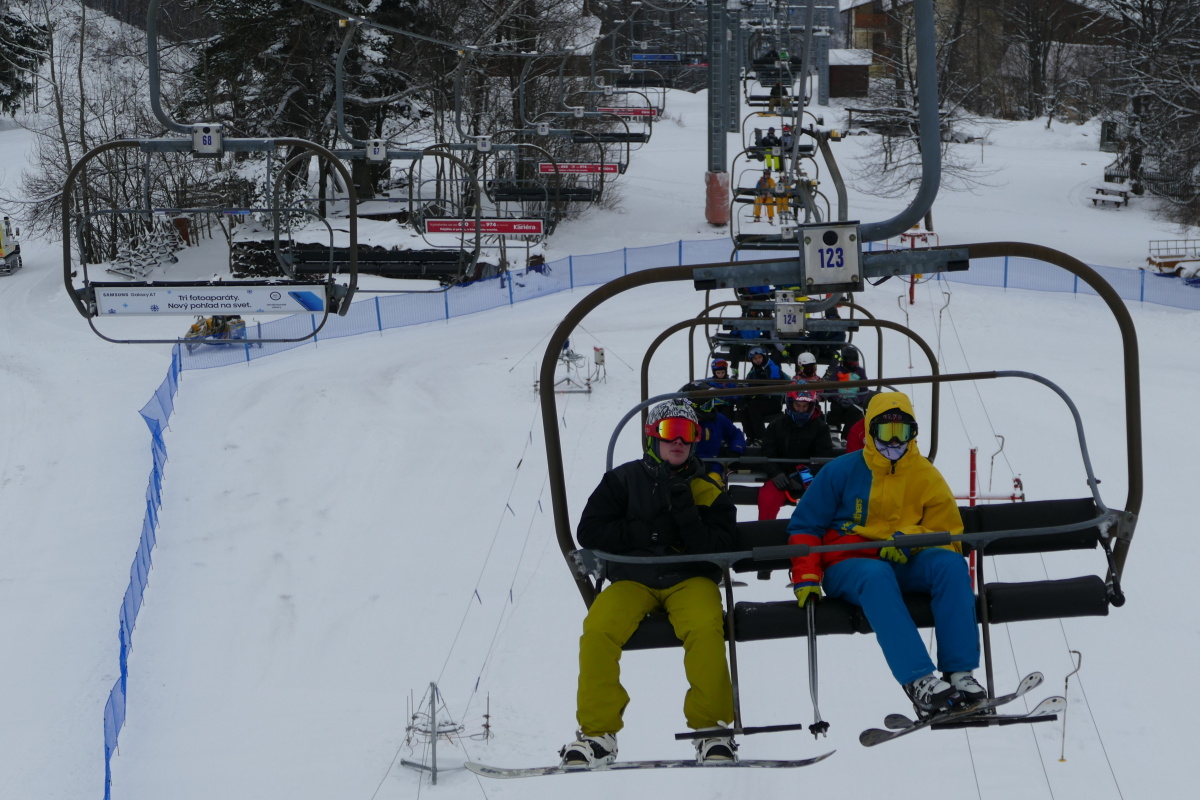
x: 901, y: 431
x: 673, y: 428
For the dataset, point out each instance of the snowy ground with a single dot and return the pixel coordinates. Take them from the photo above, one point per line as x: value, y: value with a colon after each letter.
x: 347, y: 522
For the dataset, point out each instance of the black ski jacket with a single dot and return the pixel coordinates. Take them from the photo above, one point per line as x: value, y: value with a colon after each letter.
x: 630, y: 513
x: 785, y: 439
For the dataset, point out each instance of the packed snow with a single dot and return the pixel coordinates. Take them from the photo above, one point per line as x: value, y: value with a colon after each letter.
x: 347, y: 522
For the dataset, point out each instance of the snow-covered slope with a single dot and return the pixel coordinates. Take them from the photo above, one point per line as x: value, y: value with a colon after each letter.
x: 347, y: 522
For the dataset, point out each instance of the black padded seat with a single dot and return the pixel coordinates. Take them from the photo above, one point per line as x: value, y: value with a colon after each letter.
x: 1084, y: 596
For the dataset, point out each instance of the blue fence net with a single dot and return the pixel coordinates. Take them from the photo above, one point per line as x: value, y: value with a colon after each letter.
x: 397, y: 311
x: 156, y: 414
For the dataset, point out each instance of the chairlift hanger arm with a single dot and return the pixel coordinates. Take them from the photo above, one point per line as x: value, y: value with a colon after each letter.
x: 1129, y: 351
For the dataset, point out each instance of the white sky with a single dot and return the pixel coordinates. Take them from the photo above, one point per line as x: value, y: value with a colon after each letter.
x: 331, y: 512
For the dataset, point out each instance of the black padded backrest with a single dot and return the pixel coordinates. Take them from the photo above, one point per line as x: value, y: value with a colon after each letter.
x: 767, y: 533
x: 1085, y: 596
x: 1036, y: 514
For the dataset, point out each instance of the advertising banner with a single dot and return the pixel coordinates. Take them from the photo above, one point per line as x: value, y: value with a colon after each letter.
x: 525, y: 227
x: 580, y: 168
x: 630, y: 112
x: 211, y: 300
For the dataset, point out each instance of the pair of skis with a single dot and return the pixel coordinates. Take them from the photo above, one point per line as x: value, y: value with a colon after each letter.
x: 897, y: 725
x: 976, y: 715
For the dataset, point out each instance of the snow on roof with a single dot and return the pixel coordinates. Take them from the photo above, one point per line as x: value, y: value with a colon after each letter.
x: 846, y: 5
x: 844, y: 58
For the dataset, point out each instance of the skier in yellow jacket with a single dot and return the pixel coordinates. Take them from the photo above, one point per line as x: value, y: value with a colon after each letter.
x: 884, y: 492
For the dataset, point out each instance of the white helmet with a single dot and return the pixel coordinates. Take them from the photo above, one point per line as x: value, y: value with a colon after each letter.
x: 806, y: 358
x: 672, y: 408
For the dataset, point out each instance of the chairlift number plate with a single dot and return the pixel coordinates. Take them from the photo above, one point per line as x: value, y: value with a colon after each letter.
x: 832, y: 256
x: 789, y: 317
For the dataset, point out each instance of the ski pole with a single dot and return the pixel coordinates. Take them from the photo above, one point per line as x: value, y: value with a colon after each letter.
x: 819, y: 726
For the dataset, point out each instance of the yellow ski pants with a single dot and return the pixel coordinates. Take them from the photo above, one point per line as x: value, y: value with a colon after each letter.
x: 694, y: 609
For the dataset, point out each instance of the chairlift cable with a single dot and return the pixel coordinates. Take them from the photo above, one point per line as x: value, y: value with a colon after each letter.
x: 1025, y: 700
x: 607, y: 352
x: 937, y: 325
x: 505, y: 613
x: 474, y: 594
x: 978, y: 394
x: 974, y: 769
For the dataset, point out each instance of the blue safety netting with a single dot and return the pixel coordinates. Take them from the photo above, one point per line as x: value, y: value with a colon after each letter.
x: 156, y: 413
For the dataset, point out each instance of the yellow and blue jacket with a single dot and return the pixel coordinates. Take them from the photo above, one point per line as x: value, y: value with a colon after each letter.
x: 863, y: 496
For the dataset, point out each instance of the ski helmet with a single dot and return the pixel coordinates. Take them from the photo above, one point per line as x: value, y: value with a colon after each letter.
x: 849, y: 354
x: 801, y: 417
x: 757, y: 351
x: 705, y: 407
x: 719, y: 363
x: 806, y: 358
x: 671, y: 409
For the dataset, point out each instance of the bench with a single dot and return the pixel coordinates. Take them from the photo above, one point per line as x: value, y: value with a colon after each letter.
x: 1114, y: 188
x: 1108, y: 199
x: 1082, y: 596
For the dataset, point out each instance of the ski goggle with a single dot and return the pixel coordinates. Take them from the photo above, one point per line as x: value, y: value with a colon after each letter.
x: 900, y: 431
x: 673, y: 428
x: 705, y: 405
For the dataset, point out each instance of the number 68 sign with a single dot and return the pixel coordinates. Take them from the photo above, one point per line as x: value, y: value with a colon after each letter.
x: 832, y: 257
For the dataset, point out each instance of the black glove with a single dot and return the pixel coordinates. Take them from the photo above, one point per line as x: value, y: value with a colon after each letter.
x: 781, y: 482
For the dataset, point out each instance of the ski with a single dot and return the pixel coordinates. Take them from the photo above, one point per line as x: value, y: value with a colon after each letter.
x: 533, y: 772
x: 1045, y: 711
x: 874, y: 736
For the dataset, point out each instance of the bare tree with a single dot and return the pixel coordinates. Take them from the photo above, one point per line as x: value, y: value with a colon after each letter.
x: 894, y: 167
x: 1159, y: 74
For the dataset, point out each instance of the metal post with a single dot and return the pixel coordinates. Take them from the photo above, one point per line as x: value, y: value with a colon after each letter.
x: 434, y: 728
x: 735, y: 42
x: 718, y: 83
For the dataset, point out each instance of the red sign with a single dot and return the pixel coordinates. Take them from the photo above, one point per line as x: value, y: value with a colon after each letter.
x: 630, y: 112
x: 581, y: 168
x: 528, y: 227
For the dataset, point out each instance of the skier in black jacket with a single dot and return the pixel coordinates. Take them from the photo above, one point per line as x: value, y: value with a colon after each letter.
x: 662, y: 504
x: 800, y: 434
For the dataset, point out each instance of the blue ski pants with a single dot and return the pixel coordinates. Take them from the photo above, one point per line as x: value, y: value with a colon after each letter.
x: 877, y: 587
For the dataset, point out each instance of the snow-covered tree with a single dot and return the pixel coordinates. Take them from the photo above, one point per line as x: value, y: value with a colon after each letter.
x: 23, y: 44
x: 1159, y: 68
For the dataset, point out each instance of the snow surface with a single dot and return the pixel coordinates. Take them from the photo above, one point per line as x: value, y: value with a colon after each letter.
x: 345, y: 523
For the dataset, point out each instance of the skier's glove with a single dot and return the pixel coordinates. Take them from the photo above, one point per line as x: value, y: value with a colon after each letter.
x: 681, y: 495
x: 898, y: 555
x: 781, y: 482
x: 807, y: 589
